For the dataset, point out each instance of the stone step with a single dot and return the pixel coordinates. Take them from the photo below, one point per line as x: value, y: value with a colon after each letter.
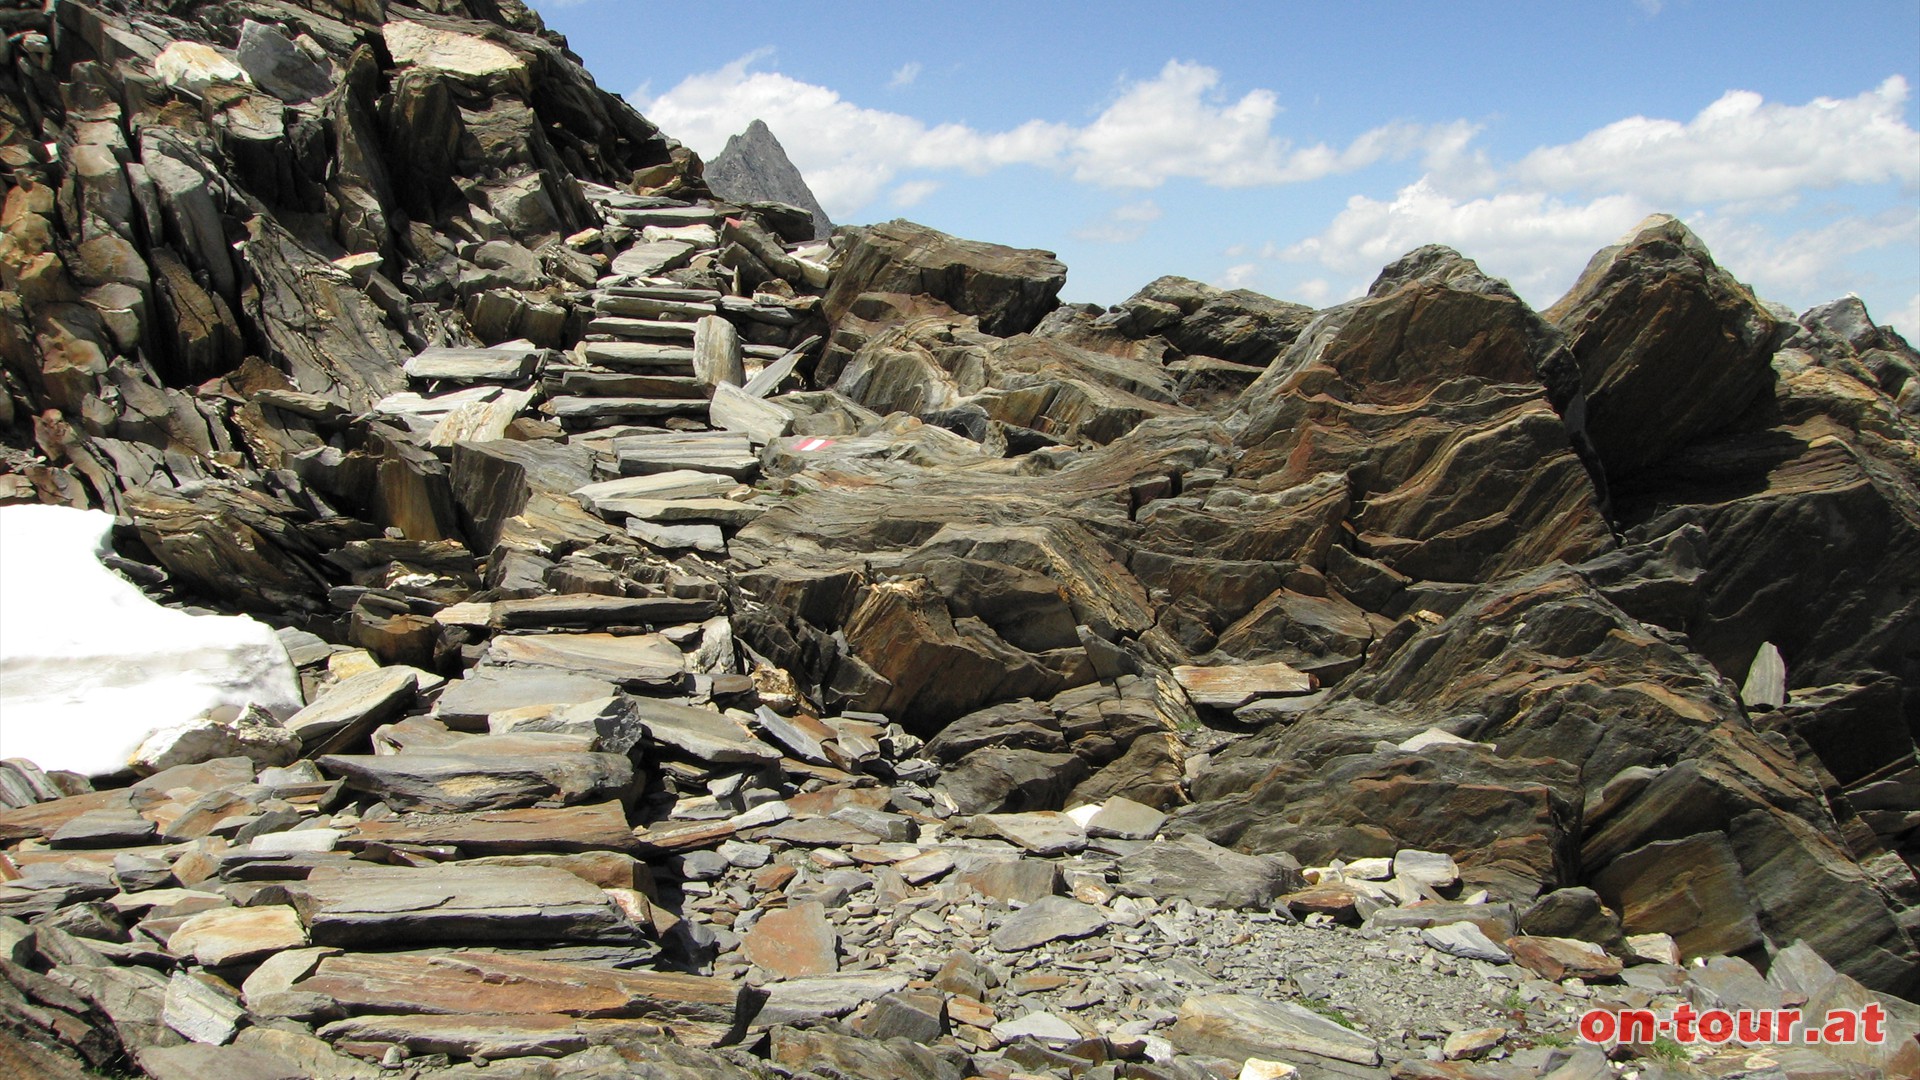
x: 592, y: 410
x: 678, y: 484
x: 724, y: 512
x: 658, y: 289
x: 733, y: 409
x: 624, y: 329
x: 763, y: 353
x: 637, y: 356
x: 665, y: 216
x: 648, y: 307
x: 655, y: 257
x: 705, y: 236
x: 724, y: 453
x: 495, y: 365
x: 772, y: 314
x: 604, y: 197
x: 698, y: 536
x: 583, y: 383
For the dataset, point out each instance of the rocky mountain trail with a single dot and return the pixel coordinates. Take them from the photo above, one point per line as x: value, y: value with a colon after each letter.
x: 716, y: 648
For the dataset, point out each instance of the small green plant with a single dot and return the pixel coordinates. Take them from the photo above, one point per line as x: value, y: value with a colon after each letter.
x: 1664, y: 1046
x: 1554, y: 1039
x: 1513, y: 1000
x: 1331, y: 1011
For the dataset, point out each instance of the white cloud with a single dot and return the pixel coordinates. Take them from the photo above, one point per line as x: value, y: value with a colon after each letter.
x: 1121, y: 224
x: 1808, y: 260
x: 904, y: 75
x: 1729, y: 172
x: 1238, y: 276
x: 1314, y: 292
x: 1906, y: 319
x: 913, y: 191
x: 1535, y: 240
x: 1741, y: 147
x: 849, y: 154
x: 1734, y: 171
x: 1175, y: 125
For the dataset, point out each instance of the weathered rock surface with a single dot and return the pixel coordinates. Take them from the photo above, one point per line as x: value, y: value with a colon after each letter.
x: 1007, y: 289
x: 384, y: 905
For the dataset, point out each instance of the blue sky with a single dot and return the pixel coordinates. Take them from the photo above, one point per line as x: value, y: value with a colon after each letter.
x: 1297, y: 148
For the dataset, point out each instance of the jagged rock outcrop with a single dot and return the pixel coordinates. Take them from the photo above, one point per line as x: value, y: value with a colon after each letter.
x: 1670, y: 347
x: 753, y: 167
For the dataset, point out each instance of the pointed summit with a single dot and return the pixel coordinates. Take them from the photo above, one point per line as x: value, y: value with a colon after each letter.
x: 754, y: 168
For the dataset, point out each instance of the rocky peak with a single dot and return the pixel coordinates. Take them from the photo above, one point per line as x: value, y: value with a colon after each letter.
x: 754, y: 168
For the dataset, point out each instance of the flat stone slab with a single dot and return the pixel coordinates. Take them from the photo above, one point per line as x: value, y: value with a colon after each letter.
x: 822, y: 832
x: 733, y: 409
x: 635, y: 658
x: 454, y: 782
x: 593, y: 827
x: 466, y: 703
x: 624, y: 329
x: 662, y: 291
x: 355, y: 704
x: 253, y: 1056
x: 608, y: 409
x: 793, y: 942
x: 1239, y: 1027
x: 1554, y: 959
x: 1231, y: 687
x: 475, y: 365
x: 665, y: 217
x: 821, y: 997
x: 1123, y: 819
x: 621, y: 302
x: 638, y: 356
x: 575, y: 382
x: 699, y: 537
x: 653, y: 257
x: 608, y: 725
x: 722, y: 452
x: 1025, y: 880
x: 475, y: 982
x: 106, y: 828
x: 504, y: 1035
x: 194, y: 1007
x: 702, y: 734
x: 407, y: 404
x: 231, y: 935
x: 1465, y: 939
x: 676, y: 484
x: 805, y: 736
x: 1430, y: 868
x: 589, y: 610
x: 724, y: 512
x: 390, y: 905
x: 1051, y: 918
x: 1496, y: 919
x: 1043, y: 832
x: 1199, y: 871
x: 1039, y: 1025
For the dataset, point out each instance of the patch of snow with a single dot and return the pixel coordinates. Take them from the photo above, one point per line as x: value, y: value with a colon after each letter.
x: 89, y: 667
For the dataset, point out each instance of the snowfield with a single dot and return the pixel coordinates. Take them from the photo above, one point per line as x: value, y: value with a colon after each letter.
x: 89, y: 667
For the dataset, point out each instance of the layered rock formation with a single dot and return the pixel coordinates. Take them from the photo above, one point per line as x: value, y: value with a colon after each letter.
x: 726, y: 653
